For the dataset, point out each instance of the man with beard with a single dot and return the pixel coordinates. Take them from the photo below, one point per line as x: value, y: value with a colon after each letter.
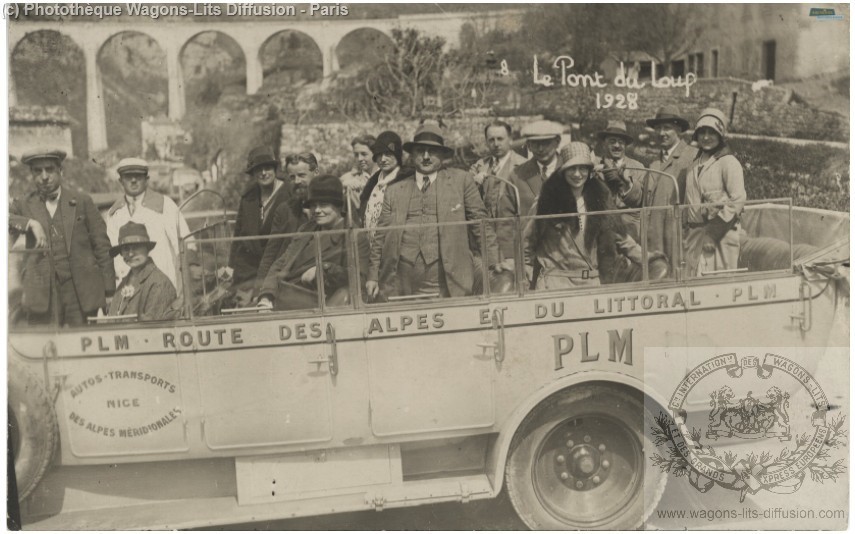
x: 300, y: 170
x: 73, y: 282
x: 427, y: 257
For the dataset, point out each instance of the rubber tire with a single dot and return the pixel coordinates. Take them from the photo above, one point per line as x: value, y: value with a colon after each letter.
x: 569, y: 404
x: 33, y: 420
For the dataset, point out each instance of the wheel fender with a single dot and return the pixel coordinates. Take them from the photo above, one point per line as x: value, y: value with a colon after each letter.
x: 34, y: 425
x: 498, y: 454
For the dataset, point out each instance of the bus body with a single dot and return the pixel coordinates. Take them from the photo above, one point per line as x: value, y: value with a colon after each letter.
x: 251, y: 415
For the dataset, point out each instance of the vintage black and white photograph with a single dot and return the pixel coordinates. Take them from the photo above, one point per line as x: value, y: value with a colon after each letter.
x: 402, y: 266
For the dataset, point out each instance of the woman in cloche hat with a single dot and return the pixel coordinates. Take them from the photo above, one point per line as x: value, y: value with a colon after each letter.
x: 579, y: 250
x: 292, y: 282
x: 145, y: 292
x: 715, y: 192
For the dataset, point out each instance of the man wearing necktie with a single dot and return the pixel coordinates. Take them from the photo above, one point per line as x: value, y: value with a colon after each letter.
x: 493, y: 174
x: 676, y: 156
x: 421, y: 255
x: 157, y: 212
x: 72, y: 278
x: 542, y: 139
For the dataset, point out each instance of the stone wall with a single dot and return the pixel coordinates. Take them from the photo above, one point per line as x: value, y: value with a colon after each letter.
x: 770, y: 110
x: 331, y: 141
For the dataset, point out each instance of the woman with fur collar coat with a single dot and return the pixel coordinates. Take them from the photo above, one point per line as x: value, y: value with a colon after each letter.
x: 585, y: 249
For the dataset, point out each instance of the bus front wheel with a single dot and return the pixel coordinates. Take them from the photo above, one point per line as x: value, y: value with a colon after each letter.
x: 579, y: 461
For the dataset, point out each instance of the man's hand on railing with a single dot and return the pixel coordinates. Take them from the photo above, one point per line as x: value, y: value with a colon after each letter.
x: 265, y: 302
x: 372, y: 288
x: 35, y: 227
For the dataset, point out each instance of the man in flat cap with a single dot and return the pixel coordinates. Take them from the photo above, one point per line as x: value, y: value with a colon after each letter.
x: 75, y: 280
x: 157, y: 212
x: 428, y: 257
x: 542, y: 139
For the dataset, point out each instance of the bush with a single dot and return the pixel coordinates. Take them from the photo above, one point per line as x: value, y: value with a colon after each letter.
x: 815, y: 176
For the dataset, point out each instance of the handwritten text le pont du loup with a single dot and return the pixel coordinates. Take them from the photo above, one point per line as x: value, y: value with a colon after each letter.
x: 564, y: 64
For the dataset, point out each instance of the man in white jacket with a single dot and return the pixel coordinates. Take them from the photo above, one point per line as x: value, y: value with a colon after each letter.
x: 164, y: 223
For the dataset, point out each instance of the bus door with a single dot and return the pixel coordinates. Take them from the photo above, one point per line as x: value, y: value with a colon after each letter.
x: 431, y: 367
x: 265, y: 375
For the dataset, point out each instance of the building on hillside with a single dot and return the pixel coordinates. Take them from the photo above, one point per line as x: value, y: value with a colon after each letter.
x: 31, y: 127
x: 779, y: 42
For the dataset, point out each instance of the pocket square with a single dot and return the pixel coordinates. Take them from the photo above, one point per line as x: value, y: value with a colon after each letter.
x: 457, y: 208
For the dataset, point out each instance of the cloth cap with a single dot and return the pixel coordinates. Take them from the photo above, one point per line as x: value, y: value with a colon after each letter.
x: 132, y: 234
x: 43, y: 153
x: 542, y: 130
x: 388, y: 141
x: 668, y: 114
x: 429, y: 134
x: 617, y: 129
x: 132, y: 165
x: 575, y: 153
x: 712, y: 118
x: 326, y: 188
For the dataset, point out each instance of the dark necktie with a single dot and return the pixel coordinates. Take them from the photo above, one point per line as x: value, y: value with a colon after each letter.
x: 425, y: 184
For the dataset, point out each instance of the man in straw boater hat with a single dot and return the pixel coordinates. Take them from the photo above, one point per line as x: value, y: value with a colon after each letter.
x: 73, y: 282
x: 145, y: 291
x: 156, y: 211
x: 542, y: 139
x: 424, y: 258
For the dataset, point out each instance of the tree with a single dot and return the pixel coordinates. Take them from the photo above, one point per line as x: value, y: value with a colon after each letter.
x: 416, y: 76
x: 588, y: 33
x: 668, y: 30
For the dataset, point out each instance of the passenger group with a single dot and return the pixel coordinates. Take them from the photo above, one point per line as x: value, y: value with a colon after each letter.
x: 424, y: 225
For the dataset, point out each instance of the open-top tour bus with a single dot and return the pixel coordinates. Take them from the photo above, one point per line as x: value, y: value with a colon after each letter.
x: 232, y: 413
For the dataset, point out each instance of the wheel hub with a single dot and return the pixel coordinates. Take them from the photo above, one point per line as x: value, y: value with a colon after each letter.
x: 583, y: 462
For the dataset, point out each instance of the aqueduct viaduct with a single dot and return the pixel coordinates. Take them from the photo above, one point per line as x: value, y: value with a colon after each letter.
x: 250, y: 35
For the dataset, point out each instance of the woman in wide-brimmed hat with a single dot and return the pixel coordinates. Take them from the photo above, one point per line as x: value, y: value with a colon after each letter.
x: 715, y: 192
x: 145, y: 292
x: 584, y: 249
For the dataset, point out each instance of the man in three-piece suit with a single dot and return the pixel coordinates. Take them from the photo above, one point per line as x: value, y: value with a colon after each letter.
x: 423, y: 258
x: 542, y: 139
x: 72, y: 279
x: 493, y: 174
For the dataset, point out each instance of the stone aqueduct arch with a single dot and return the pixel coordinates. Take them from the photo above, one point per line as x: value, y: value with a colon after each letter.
x: 172, y: 36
